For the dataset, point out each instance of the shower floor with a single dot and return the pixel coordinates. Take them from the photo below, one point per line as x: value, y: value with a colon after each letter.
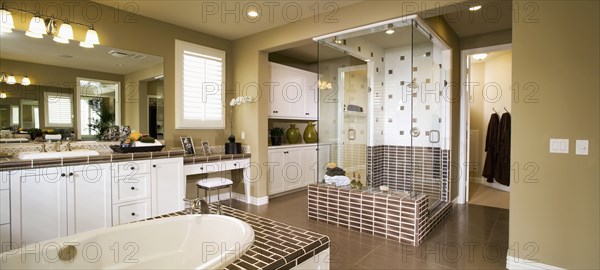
x: 394, y: 215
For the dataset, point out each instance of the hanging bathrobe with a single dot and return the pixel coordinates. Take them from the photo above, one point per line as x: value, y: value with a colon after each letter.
x: 491, y: 149
x: 502, y: 174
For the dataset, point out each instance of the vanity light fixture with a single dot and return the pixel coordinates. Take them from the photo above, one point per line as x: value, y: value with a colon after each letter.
x: 6, y: 20
x: 65, y: 33
x: 11, y: 79
x: 390, y: 29
x: 37, y: 27
x: 474, y: 8
x: 25, y: 81
x: 2, y: 95
x: 480, y: 56
x: 252, y: 12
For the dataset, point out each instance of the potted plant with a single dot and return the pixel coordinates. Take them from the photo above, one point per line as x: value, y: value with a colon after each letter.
x: 276, y: 134
x: 102, y: 125
x: 34, y: 133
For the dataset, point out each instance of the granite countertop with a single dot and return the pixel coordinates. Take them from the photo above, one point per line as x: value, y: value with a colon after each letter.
x: 14, y: 163
x: 276, y: 245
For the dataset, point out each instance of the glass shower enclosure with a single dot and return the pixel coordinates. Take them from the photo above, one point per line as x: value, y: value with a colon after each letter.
x: 385, y: 106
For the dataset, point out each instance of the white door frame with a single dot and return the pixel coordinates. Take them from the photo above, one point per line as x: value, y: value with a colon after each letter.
x: 465, y: 110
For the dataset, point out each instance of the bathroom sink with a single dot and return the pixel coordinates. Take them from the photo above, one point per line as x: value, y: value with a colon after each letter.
x: 65, y: 154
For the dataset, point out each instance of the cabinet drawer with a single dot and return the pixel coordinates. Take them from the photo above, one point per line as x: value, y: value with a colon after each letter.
x: 4, y: 207
x: 233, y: 164
x: 5, y: 238
x: 131, y: 168
x: 202, y: 168
x: 131, y: 188
x: 130, y: 212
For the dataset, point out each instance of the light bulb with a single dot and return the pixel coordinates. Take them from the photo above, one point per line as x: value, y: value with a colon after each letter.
x: 252, y: 12
x: 474, y: 8
x: 6, y: 21
x: 91, y: 37
x: 65, y: 31
x: 86, y: 45
x: 2, y: 95
x: 25, y: 81
x: 11, y: 79
x: 37, y: 28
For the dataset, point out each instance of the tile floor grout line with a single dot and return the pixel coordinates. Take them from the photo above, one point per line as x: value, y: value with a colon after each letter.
x: 370, y: 252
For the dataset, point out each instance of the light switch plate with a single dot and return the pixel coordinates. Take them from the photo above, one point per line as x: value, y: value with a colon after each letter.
x: 582, y: 147
x: 559, y: 146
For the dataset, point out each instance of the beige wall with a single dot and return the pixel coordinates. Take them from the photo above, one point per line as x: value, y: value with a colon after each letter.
x: 558, y: 208
x: 486, y: 40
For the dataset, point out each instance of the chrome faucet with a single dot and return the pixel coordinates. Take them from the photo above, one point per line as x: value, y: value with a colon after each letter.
x: 44, y: 148
x: 68, y: 146
x: 197, y: 203
x: 57, y: 145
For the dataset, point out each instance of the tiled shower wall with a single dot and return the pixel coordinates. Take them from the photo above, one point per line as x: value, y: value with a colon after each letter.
x: 410, y: 168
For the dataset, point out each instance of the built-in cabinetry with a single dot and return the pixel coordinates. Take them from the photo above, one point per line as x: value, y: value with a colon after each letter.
x: 5, y: 241
x: 295, y: 166
x: 293, y: 93
x: 47, y: 203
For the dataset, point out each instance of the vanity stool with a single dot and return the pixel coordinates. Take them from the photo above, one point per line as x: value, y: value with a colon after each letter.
x: 214, y: 183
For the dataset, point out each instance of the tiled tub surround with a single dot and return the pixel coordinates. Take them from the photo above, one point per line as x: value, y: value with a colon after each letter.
x: 410, y: 168
x: 276, y: 245
x: 396, y: 216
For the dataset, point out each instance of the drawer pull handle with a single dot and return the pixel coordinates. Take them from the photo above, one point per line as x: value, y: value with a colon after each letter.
x: 154, y: 166
x: 132, y: 188
x: 132, y: 168
x: 133, y: 214
x: 63, y: 175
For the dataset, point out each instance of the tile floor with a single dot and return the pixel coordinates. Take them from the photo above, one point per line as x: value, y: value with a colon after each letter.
x: 471, y: 237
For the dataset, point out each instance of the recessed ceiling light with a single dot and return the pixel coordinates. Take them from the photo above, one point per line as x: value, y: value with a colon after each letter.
x: 480, y: 56
x: 120, y: 65
x: 474, y: 8
x: 252, y: 12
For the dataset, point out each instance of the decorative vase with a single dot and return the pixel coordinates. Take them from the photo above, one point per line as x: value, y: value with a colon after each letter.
x: 310, y: 133
x: 292, y: 134
x: 276, y: 140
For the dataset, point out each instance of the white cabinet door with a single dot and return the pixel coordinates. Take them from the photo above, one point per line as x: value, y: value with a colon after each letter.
x: 310, y: 96
x: 292, y: 93
x: 129, y: 189
x: 38, y: 205
x: 275, y: 171
x: 293, y: 172
x: 309, y: 165
x: 129, y: 212
x: 89, y: 193
x: 5, y: 242
x: 168, y: 186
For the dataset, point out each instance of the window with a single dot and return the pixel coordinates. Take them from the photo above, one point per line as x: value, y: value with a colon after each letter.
x: 87, y: 117
x: 14, y: 111
x: 200, y: 77
x: 59, y: 109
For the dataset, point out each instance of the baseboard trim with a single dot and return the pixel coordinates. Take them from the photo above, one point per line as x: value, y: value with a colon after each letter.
x: 251, y: 200
x: 518, y: 263
x: 495, y: 185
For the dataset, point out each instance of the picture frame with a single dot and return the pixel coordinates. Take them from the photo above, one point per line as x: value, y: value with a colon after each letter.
x: 206, y: 148
x: 188, y: 145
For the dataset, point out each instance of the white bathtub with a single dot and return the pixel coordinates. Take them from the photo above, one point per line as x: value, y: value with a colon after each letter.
x: 190, y: 242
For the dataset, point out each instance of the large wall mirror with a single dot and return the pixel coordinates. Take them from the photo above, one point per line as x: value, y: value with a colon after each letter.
x: 69, y: 85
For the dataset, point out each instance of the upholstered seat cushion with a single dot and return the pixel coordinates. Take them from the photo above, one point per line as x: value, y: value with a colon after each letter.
x: 214, y: 182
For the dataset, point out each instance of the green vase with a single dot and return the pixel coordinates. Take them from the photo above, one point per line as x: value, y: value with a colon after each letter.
x: 292, y: 134
x: 310, y: 133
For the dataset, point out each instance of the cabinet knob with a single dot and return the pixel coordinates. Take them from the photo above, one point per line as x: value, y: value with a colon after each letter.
x: 154, y: 166
x: 132, y: 188
x: 306, y: 113
x: 63, y: 175
x: 133, y: 214
x: 235, y: 164
x: 70, y: 174
x: 132, y: 168
x: 201, y: 168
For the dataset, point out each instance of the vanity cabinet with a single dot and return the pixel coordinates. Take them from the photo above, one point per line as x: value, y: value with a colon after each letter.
x: 292, y: 93
x: 5, y: 241
x: 147, y: 188
x: 47, y: 203
x: 294, y: 166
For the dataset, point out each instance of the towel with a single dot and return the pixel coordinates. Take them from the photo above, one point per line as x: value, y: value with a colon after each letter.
x: 53, y: 137
x: 335, y: 171
x: 354, y: 108
x: 141, y: 144
x: 338, y: 180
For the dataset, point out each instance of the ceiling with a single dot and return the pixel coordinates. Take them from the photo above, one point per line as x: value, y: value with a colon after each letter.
x: 228, y: 19
x: 493, y: 16
x: 17, y: 46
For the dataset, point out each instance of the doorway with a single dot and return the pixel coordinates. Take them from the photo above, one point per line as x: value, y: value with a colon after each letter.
x: 486, y: 100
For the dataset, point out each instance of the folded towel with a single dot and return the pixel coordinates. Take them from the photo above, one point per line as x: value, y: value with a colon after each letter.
x: 335, y: 171
x: 354, y: 108
x: 53, y: 137
x: 338, y: 180
x: 141, y: 144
